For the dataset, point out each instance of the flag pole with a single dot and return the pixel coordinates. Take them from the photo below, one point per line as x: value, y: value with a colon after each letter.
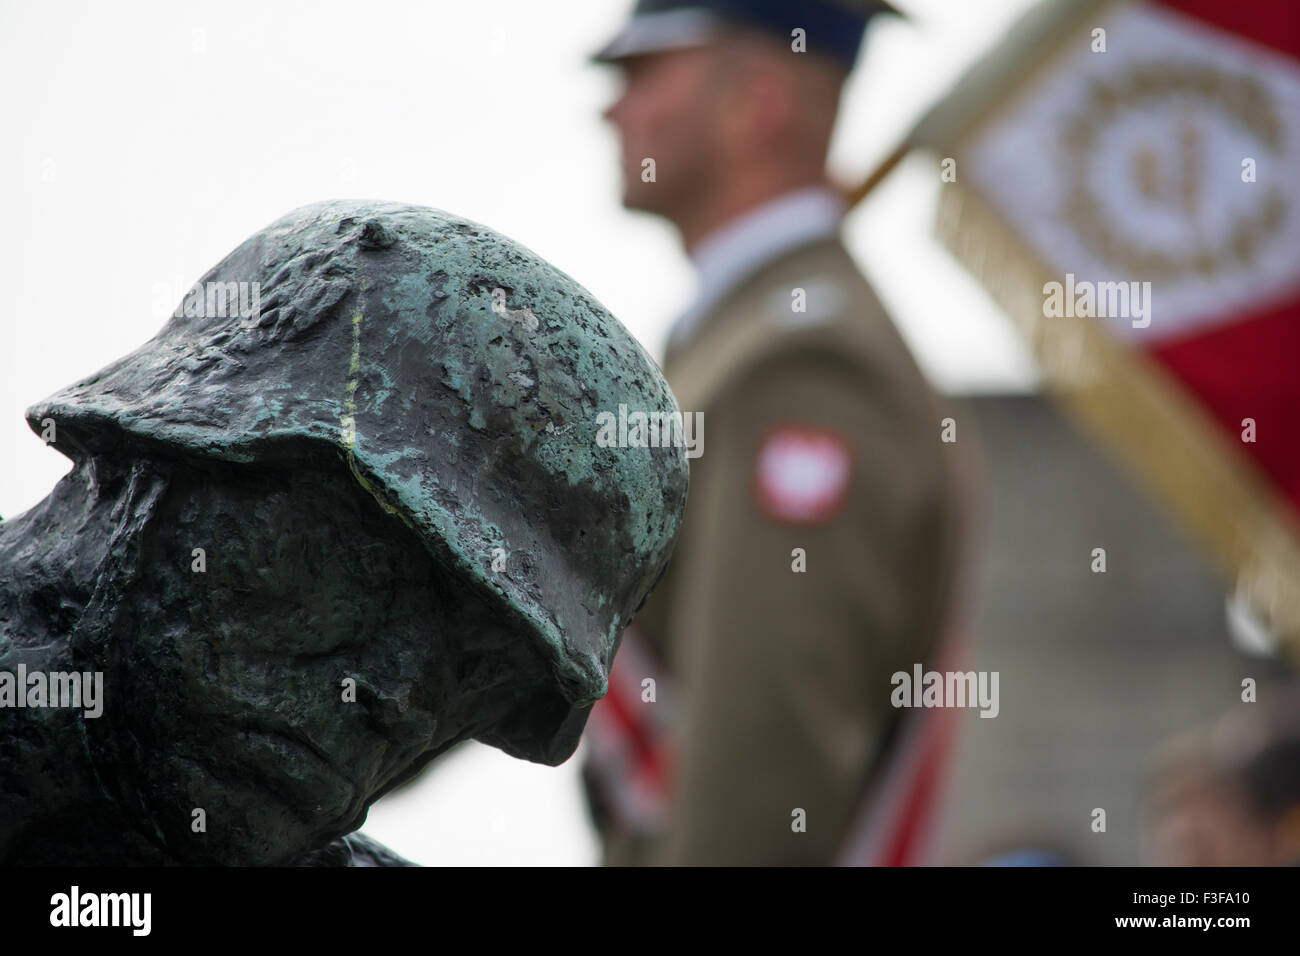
x: 854, y: 195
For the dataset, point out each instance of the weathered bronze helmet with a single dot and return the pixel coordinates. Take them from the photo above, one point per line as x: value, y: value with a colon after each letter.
x: 458, y: 377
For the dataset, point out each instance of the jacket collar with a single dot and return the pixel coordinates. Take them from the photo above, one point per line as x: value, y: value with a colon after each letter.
x: 743, y: 246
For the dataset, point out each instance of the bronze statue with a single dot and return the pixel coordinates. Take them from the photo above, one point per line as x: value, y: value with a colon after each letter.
x: 344, y: 511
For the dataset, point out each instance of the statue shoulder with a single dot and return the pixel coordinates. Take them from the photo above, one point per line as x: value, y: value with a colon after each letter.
x: 355, y: 849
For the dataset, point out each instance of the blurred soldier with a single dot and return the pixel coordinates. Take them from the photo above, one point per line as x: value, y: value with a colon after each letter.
x: 749, y: 717
x: 1230, y: 795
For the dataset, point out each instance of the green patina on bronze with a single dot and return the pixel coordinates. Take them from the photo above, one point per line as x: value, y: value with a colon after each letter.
x: 468, y: 412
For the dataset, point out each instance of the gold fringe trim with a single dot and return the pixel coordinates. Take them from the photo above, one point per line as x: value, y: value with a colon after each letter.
x: 1138, y: 410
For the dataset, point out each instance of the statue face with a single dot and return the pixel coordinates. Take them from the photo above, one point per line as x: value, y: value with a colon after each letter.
x: 310, y: 657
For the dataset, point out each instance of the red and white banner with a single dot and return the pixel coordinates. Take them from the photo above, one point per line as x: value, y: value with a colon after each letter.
x: 1129, y: 193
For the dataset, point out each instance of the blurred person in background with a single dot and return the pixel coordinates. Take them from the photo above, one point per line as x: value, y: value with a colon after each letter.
x: 1229, y: 795
x: 749, y: 718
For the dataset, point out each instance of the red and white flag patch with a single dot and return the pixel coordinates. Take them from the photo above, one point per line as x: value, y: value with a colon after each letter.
x: 802, y: 473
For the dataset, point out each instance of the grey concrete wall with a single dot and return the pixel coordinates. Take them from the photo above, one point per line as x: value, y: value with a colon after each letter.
x: 1096, y: 669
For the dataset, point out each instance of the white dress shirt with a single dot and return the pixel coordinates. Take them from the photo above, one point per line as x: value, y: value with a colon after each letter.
x: 735, y: 251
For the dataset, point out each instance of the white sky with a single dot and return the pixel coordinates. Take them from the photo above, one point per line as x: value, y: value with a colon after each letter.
x: 145, y: 140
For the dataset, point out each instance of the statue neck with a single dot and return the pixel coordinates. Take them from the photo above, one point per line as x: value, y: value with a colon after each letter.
x: 50, y: 798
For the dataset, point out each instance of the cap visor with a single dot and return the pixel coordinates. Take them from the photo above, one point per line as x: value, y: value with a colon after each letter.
x: 660, y: 32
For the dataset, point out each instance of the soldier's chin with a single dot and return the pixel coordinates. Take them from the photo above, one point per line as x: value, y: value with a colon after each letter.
x: 641, y: 197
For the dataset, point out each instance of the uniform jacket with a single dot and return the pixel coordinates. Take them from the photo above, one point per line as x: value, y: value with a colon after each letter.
x: 776, y: 693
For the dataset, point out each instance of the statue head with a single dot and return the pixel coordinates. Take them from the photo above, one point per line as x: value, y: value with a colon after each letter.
x: 354, y: 512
